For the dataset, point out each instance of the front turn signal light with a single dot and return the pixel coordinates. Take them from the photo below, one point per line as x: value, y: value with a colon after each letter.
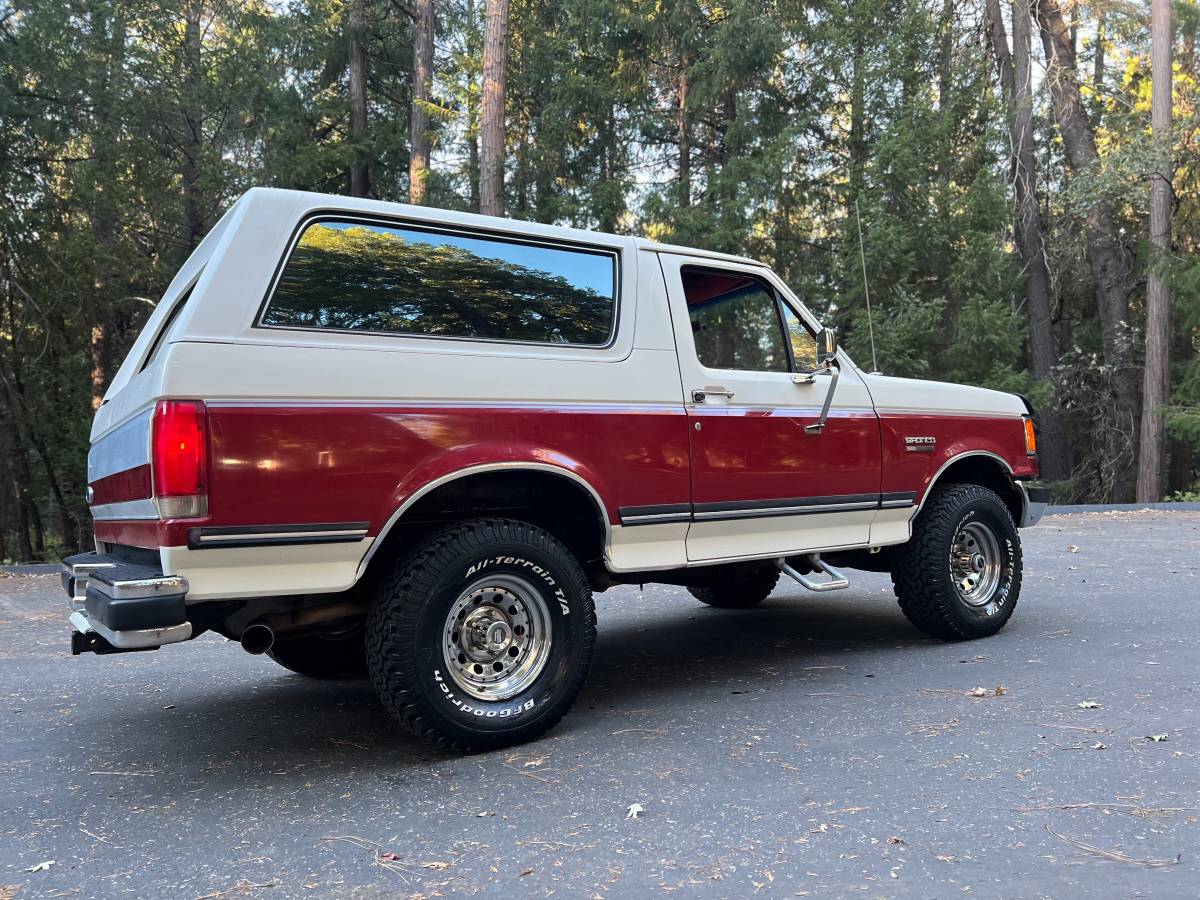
x: 1030, y: 438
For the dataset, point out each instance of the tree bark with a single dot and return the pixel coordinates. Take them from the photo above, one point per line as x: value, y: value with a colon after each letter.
x: 495, y: 77
x: 419, y: 140
x: 1187, y: 49
x: 1156, y: 382
x: 111, y: 37
x: 357, y: 33
x: 193, y: 125
x: 473, y: 49
x: 1104, y: 253
x: 1098, y: 68
x: 684, y: 125
x: 1014, y: 72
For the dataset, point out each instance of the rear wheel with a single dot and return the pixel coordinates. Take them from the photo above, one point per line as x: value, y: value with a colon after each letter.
x: 739, y: 588
x: 960, y: 574
x: 338, y: 654
x: 482, y: 636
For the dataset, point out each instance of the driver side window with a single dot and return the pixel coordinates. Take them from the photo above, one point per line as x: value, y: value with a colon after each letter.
x: 735, y: 321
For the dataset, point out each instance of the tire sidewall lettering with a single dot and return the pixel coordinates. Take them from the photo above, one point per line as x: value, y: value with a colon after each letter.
x: 1009, y: 562
x: 539, y: 573
x: 522, y: 565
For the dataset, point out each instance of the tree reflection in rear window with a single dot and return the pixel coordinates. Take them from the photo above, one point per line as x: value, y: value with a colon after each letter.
x: 365, y: 276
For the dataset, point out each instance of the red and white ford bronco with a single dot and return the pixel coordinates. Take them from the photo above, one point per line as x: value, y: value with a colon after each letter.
x: 364, y: 437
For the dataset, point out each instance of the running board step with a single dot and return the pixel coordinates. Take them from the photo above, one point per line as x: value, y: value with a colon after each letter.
x: 836, y: 581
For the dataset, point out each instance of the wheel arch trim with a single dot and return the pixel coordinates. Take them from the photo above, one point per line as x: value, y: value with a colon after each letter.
x: 484, y: 468
x: 1006, y: 468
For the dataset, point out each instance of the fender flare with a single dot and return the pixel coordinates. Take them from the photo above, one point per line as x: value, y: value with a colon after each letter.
x: 959, y: 457
x: 466, y: 472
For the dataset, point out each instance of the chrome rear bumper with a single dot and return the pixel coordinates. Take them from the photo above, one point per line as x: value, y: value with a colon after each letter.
x: 116, y: 605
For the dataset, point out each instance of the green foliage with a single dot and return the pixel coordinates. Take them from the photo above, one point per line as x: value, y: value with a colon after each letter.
x: 764, y: 127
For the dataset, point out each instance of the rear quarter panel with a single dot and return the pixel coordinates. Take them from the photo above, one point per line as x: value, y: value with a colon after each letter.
x: 327, y: 427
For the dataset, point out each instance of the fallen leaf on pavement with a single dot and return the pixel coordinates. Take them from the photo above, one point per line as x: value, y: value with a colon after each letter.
x: 998, y: 691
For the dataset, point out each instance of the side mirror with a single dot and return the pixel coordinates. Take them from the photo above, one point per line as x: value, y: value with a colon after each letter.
x: 827, y: 347
x: 826, y: 362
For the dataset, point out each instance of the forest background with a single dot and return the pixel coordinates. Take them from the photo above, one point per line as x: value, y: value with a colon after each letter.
x: 1016, y: 187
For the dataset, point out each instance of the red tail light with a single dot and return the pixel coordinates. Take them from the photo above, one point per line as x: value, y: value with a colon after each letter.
x: 180, y: 459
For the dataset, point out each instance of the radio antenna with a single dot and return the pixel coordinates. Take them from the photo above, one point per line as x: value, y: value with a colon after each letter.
x: 862, y: 255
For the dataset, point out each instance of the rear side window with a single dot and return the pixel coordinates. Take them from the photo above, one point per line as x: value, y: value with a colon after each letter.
x: 371, y: 277
x: 160, y: 339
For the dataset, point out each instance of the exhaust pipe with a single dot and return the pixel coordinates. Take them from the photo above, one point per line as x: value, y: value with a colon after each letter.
x: 257, y: 638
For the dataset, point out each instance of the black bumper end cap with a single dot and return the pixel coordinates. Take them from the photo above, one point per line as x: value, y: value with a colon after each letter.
x: 135, y: 614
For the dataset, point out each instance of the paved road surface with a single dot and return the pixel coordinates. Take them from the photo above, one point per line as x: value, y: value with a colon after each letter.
x: 816, y: 746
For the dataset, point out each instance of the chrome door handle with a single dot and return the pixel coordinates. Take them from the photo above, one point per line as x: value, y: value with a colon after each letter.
x: 699, y: 395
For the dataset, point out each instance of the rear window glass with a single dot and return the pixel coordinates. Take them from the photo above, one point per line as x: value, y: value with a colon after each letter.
x: 370, y: 277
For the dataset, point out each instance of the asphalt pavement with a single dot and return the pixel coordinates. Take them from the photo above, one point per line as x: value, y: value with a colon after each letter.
x: 815, y: 746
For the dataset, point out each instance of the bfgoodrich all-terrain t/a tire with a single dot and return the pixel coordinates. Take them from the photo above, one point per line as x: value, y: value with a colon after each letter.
x: 481, y: 636
x: 959, y: 575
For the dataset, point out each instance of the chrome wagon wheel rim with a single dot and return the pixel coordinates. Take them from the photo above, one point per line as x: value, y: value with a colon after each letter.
x: 975, y: 563
x: 497, y: 637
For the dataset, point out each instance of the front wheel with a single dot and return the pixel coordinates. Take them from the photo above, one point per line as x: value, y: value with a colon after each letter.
x: 960, y: 574
x: 481, y: 636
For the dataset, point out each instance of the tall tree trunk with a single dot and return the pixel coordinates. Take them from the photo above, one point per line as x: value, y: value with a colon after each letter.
x: 418, y: 159
x: 1104, y: 253
x: 21, y: 501
x: 495, y: 77
x: 1187, y: 49
x: 473, y: 44
x: 357, y: 34
x: 858, y: 143
x: 684, y: 126
x: 29, y: 519
x: 1014, y: 72
x: 193, y: 124
x: 111, y: 37
x: 1098, y: 68
x: 1156, y: 382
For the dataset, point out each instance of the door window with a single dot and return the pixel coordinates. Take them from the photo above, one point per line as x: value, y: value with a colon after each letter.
x: 735, y: 321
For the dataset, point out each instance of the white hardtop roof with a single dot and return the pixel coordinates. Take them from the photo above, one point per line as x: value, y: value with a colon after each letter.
x: 304, y: 202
